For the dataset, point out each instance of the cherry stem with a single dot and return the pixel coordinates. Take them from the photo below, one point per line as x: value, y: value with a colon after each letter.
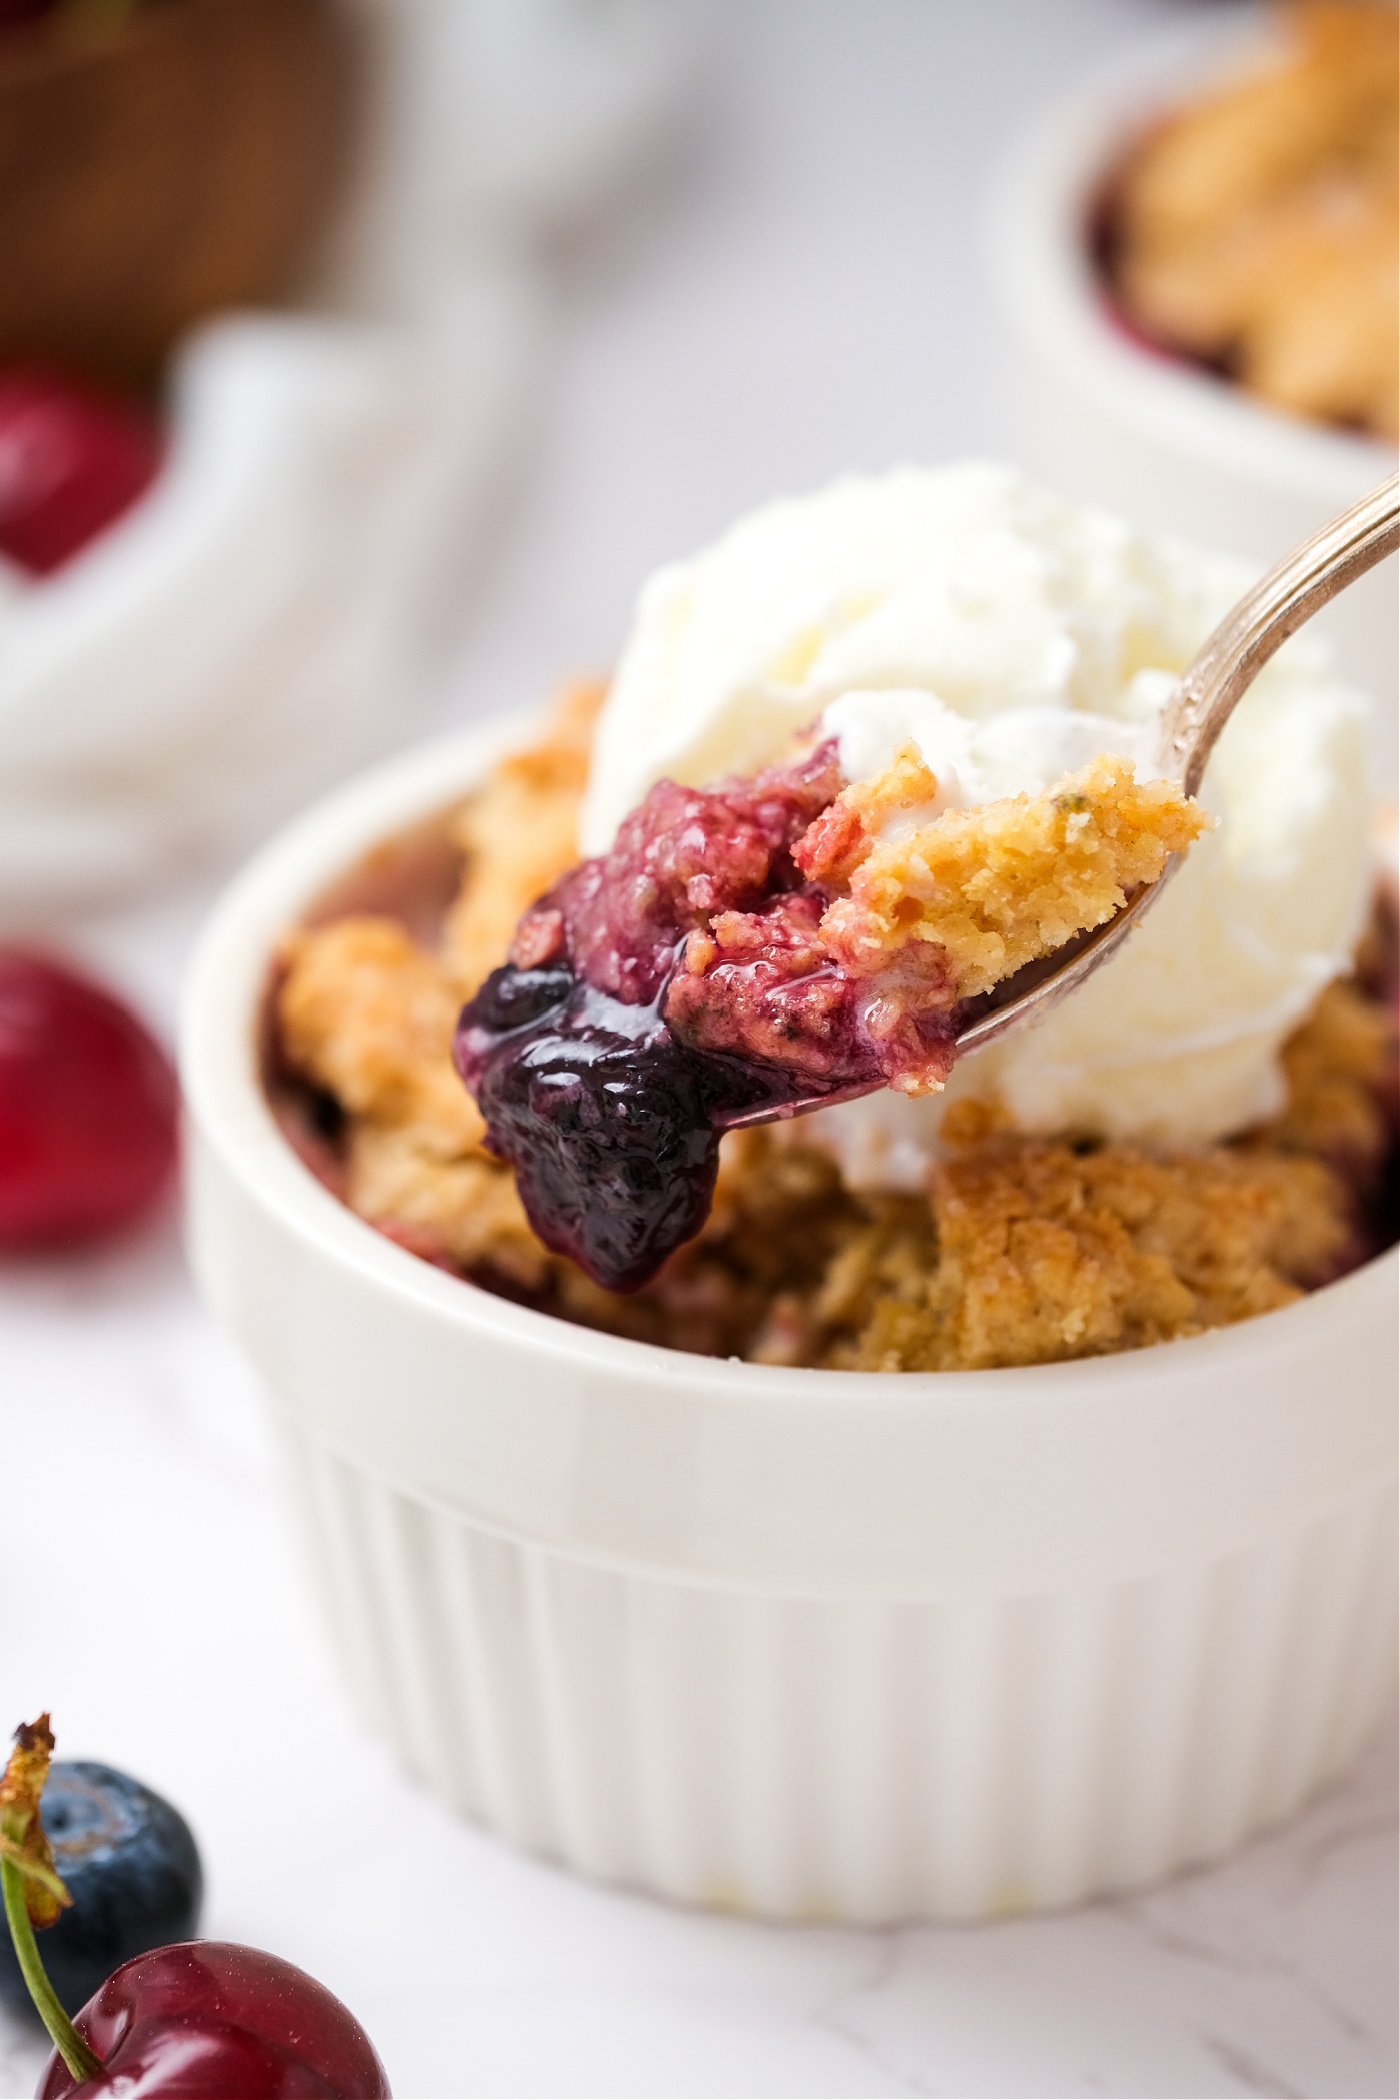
x: 81, y: 2061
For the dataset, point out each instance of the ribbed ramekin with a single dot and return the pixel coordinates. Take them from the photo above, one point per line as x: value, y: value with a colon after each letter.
x: 803, y: 1644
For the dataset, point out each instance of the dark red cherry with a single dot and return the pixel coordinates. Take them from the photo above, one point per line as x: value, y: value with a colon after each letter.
x: 73, y: 457
x: 87, y: 1107
x: 206, y: 2020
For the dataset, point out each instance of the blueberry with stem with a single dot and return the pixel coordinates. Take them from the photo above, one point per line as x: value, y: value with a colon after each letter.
x: 202, y: 2020
x: 129, y: 1862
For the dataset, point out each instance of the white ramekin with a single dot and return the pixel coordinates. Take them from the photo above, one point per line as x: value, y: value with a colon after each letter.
x: 1104, y: 419
x: 804, y: 1644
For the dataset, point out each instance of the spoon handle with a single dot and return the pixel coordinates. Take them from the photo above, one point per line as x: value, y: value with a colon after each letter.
x: 1301, y: 584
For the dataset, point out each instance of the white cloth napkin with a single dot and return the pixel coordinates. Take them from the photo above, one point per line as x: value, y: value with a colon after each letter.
x: 253, y: 628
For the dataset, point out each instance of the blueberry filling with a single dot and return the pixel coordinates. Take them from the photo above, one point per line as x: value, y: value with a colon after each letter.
x: 662, y: 992
x: 611, y: 1123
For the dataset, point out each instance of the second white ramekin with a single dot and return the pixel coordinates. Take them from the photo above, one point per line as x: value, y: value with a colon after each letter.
x: 802, y: 1644
x: 1101, y: 417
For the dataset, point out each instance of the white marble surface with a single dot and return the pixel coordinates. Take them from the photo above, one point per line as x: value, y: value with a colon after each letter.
x: 797, y: 292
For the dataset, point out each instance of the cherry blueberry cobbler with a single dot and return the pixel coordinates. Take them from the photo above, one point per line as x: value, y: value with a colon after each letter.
x: 775, y: 935
x: 749, y: 945
x: 1256, y: 231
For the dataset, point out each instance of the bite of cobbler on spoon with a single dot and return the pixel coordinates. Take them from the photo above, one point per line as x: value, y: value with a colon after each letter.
x: 776, y: 942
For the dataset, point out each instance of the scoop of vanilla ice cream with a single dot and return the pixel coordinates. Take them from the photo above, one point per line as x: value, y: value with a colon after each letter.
x: 1012, y: 637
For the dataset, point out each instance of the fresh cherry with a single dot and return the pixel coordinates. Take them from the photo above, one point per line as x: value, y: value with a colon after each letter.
x: 210, y: 2021
x: 87, y: 1107
x: 73, y: 458
x: 131, y: 1866
x: 201, y: 2020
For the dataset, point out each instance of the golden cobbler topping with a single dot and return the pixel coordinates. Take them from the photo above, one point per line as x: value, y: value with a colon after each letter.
x: 1256, y: 229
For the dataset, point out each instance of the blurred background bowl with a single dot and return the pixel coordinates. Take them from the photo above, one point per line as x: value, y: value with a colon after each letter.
x: 163, y: 169
x: 1107, y: 418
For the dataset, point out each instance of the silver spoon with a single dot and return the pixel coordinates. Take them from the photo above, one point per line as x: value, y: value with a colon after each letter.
x: 1300, y: 585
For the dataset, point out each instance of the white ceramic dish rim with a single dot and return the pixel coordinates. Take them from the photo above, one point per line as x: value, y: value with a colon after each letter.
x: 1046, y: 276
x: 225, y: 1093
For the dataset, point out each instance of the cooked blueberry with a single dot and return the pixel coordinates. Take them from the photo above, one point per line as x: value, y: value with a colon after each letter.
x: 132, y: 1869
x: 512, y: 998
x: 611, y: 1123
x: 606, y: 1090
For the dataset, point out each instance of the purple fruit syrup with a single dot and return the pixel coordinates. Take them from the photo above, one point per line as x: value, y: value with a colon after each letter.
x: 662, y: 992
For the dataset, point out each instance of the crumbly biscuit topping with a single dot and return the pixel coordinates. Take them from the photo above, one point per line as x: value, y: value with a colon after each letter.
x: 1257, y: 227
x: 1020, y: 1251
x: 997, y: 886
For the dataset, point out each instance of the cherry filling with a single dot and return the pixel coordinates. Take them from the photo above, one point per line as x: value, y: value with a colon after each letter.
x: 659, y: 994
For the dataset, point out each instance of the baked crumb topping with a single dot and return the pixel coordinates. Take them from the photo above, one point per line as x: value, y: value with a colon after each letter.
x: 1257, y: 227
x: 1043, y: 1253
x: 995, y: 887
x: 1021, y: 1251
x: 525, y: 831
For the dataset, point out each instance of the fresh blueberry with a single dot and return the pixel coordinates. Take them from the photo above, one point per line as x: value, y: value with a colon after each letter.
x: 132, y: 1869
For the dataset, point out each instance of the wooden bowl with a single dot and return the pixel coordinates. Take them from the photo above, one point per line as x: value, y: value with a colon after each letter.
x: 156, y: 173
